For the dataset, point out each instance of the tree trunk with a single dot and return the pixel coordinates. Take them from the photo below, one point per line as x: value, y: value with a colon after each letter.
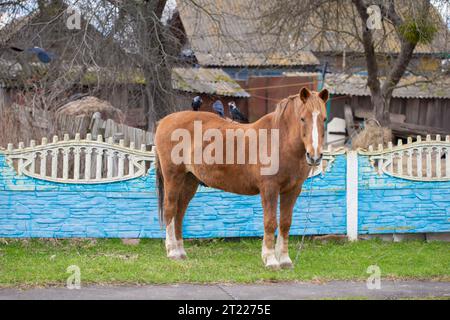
x: 381, y: 95
x: 381, y: 105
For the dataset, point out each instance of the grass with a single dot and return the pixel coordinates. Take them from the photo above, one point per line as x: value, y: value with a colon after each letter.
x: 25, y: 263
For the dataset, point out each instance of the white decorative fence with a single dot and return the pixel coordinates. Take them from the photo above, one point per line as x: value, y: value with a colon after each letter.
x: 427, y: 160
x: 98, y: 161
x: 80, y: 161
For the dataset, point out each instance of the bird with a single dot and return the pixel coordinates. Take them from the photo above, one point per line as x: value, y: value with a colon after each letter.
x: 218, y: 108
x: 236, y: 113
x: 43, y: 55
x: 196, y: 103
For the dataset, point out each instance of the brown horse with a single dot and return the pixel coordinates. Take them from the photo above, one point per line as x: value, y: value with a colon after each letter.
x: 296, y: 129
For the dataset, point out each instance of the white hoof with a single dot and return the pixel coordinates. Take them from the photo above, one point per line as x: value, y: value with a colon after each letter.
x: 271, y: 263
x: 176, y: 255
x: 181, y: 249
x: 286, y: 262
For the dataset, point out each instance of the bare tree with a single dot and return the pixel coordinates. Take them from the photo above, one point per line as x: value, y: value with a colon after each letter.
x: 119, y: 43
x: 342, y: 25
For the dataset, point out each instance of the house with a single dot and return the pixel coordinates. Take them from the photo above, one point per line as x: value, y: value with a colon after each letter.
x: 232, y: 41
x: 210, y: 84
x: 227, y: 34
x: 333, y: 37
x: 418, y: 106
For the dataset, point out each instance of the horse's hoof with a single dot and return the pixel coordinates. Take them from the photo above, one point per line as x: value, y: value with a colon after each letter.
x: 183, y: 256
x: 286, y: 265
x: 273, y: 266
x: 272, y: 263
x: 177, y: 256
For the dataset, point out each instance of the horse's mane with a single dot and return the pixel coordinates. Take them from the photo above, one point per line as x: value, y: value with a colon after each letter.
x: 314, y: 103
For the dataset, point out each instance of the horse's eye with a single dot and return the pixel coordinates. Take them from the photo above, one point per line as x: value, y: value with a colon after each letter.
x: 303, y: 120
x: 325, y: 119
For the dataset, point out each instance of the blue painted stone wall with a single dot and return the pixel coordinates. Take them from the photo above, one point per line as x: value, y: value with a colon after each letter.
x: 128, y: 209
x: 393, y: 205
x: 34, y: 208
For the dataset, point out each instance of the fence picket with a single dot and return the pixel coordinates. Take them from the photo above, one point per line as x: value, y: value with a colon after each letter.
x: 428, y: 155
x: 66, y: 152
x: 20, y: 165
x: 438, y: 162
x: 409, y: 162
x: 76, y: 163
x: 33, y: 158
x: 400, y: 158
x: 109, y: 166
x: 87, y: 163
x: 54, y: 154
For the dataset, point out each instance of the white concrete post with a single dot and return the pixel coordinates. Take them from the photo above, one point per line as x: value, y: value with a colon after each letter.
x: 352, y: 195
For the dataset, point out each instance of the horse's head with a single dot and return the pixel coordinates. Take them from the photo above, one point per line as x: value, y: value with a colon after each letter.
x: 312, y: 117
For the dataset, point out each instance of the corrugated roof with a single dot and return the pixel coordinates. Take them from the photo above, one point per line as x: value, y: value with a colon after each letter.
x: 231, y: 33
x: 199, y: 80
x: 226, y: 33
x: 209, y: 81
x: 409, y: 86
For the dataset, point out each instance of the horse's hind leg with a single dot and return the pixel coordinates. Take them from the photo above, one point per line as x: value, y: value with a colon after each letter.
x: 269, y: 198
x: 172, y: 191
x: 190, y: 186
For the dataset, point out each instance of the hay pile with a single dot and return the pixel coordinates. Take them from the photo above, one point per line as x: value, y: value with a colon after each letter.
x: 372, y: 134
x: 90, y: 105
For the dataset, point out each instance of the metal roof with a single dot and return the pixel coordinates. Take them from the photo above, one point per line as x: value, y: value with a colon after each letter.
x: 409, y: 87
x: 227, y: 33
x: 230, y: 33
x: 204, y: 80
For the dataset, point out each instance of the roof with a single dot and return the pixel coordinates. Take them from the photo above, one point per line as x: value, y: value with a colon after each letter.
x: 409, y: 86
x: 209, y: 81
x: 231, y: 33
x: 226, y: 33
x: 199, y: 80
x: 342, y: 16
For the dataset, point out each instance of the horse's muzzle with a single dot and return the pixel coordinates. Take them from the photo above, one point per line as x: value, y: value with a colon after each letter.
x: 313, y: 161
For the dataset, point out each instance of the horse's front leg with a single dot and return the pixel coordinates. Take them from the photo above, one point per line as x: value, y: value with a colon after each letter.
x: 269, y: 198
x: 287, y: 202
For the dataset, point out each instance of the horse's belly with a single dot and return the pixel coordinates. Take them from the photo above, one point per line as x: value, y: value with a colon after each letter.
x: 238, y: 190
x: 226, y: 179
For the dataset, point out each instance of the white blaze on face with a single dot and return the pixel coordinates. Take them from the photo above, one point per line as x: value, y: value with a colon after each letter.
x: 315, y: 133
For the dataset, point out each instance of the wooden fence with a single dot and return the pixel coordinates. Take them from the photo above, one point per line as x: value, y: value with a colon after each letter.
x: 32, y: 124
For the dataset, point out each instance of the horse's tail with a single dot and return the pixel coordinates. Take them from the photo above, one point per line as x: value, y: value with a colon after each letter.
x: 159, y: 189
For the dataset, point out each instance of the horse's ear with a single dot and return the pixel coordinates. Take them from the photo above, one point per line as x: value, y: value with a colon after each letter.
x: 324, y: 95
x: 304, y: 94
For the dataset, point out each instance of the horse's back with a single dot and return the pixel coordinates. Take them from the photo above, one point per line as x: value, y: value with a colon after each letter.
x: 229, y: 177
